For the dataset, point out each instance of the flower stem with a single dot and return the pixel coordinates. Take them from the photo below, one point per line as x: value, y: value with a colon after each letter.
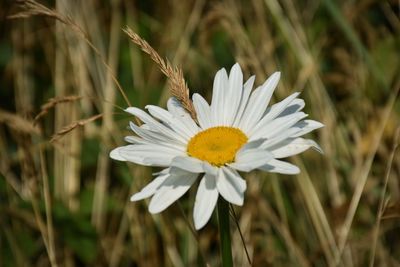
x: 224, y: 233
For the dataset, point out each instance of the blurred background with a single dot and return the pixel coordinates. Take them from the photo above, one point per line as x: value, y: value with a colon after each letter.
x: 64, y: 202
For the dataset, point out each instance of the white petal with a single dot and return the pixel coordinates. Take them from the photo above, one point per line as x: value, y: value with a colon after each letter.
x: 253, y: 144
x: 155, y: 125
x: 180, y: 114
x: 280, y: 167
x: 235, y: 177
x: 154, y: 138
x: 206, y: 199
x: 115, y: 154
x: 247, y: 87
x: 250, y: 159
x: 150, y: 189
x: 277, y: 126
x: 171, y: 190
x: 149, y: 155
x: 177, y: 125
x: 233, y: 94
x: 280, y: 138
x: 210, y: 169
x: 202, y: 110
x: 258, y: 102
x: 135, y: 140
x: 292, y: 147
x: 274, y: 111
x: 218, y: 97
x: 150, y: 136
x: 296, y: 105
x: 160, y: 113
x: 188, y: 164
x: 162, y: 172
x: 307, y: 126
x: 231, y: 186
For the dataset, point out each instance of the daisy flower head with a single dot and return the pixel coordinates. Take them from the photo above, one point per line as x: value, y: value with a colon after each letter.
x: 238, y: 132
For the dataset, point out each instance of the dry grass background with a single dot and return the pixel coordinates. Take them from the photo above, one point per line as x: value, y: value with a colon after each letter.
x: 65, y: 203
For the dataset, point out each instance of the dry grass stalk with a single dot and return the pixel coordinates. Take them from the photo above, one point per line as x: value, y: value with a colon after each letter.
x: 362, y: 180
x: 48, y: 205
x: 52, y: 102
x: 383, y: 202
x: 391, y: 210
x: 73, y: 126
x: 33, y: 8
x: 178, y: 85
x: 18, y: 123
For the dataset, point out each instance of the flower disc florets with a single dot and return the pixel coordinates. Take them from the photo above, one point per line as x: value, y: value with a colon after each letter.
x: 217, y: 145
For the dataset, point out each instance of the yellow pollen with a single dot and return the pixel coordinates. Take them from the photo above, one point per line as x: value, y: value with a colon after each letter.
x: 217, y: 145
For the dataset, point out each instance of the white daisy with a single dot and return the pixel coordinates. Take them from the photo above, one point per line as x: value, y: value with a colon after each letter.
x: 237, y: 132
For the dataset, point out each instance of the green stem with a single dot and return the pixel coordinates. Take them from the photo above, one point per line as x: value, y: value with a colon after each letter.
x: 224, y: 233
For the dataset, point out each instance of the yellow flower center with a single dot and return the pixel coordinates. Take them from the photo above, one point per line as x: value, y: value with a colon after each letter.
x: 217, y: 145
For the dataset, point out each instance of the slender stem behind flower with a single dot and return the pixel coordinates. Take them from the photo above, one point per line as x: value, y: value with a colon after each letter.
x: 224, y: 233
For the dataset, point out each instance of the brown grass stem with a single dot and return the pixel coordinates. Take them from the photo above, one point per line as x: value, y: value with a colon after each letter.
x: 178, y: 84
x: 382, y: 205
x: 345, y: 229
x: 33, y: 8
x: 48, y: 207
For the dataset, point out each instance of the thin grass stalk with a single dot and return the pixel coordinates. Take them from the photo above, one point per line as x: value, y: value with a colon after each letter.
x: 311, y: 200
x: 19, y: 256
x: 59, y: 111
x: 234, y: 217
x: 73, y: 164
x: 33, y: 8
x: 283, y: 230
x: 382, y: 200
x: 178, y: 85
x: 107, y: 126
x: 318, y: 90
x: 345, y: 229
x: 47, y: 202
x: 183, y: 46
x: 39, y: 221
x: 315, y: 208
x: 318, y: 93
